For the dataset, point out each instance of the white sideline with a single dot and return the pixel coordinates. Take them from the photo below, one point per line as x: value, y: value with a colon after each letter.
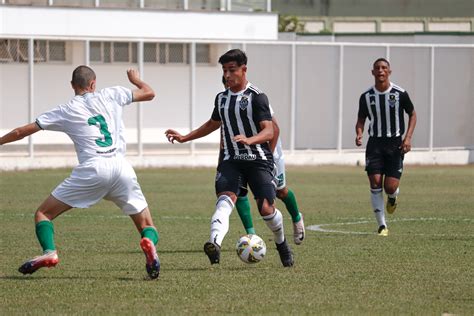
x: 208, y: 158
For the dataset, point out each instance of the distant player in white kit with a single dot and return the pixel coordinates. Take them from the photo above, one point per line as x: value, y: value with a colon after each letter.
x: 93, y: 121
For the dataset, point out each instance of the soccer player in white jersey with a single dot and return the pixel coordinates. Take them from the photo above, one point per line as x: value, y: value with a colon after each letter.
x: 384, y: 105
x: 93, y: 121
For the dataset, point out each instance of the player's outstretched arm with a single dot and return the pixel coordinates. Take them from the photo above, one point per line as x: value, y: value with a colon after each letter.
x: 19, y: 133
x: 204, y: 130
x: 144, y: 91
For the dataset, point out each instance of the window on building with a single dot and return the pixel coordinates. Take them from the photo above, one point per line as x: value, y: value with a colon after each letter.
x: 16, y: 51
x: 203, y: 53
x: 163, y: 53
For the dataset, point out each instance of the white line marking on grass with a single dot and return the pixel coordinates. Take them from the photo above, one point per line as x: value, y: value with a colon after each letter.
x: 320, y: 227
x: 78, y: 215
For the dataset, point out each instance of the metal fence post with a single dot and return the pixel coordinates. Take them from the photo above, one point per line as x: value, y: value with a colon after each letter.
x: 341, y: 98
x: 432, y: 79
x: 87, y: 52
x: 139, y: 105
x: 293, y: 100
x: 192, y: 91
x: 31, y: 91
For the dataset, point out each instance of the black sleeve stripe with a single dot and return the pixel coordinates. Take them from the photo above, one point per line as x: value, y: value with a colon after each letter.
x: 39, y: 125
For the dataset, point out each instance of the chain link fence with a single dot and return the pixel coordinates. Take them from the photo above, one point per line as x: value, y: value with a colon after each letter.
x: 314, y: 88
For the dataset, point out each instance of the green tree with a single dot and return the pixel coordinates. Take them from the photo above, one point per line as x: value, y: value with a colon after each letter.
x: 290, y: 23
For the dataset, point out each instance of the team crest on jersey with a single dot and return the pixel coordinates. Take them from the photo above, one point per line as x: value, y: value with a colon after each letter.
x: 392, y: 99
x: 244, y: 102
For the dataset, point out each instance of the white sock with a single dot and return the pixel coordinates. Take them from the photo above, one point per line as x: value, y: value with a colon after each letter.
x: 220, y: 219
x: 275, y: 223
x: 394, y: 194
x: 376, y: 196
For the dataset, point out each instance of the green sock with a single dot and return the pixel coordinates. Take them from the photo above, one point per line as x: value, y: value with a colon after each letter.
x: 150, y: 233
x: 243, y: 208
x: 292, y: 206
x: 45, y: 235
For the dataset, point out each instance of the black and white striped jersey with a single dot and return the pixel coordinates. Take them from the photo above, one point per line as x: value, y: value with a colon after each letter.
x: 241, y: 114
x: 385, y: 110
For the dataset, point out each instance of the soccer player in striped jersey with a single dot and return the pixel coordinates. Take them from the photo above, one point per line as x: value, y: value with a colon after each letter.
x: 242, y: 112
x: 93, y: 121
x: 384, y: 105
x: 283, y: 192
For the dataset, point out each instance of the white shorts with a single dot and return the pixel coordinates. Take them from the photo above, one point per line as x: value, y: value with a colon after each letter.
x: 280, y: 176
x: 110, y: 178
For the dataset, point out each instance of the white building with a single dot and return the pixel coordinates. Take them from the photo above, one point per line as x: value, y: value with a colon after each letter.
x: 313, y: 82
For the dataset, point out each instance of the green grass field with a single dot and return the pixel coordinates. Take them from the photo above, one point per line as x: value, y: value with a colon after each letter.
x: 425, y: 266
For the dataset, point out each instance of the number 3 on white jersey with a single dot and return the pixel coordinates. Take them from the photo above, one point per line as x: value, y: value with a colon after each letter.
x: 107, y: 141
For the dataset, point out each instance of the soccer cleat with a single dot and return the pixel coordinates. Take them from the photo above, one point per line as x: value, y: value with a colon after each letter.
x: 152, y: 261
x: 298, y: 231
x: 391, y: 205
x: 213, y: 251
x: 383, y: 231
x: 49, y: 259
x: 286, y: 256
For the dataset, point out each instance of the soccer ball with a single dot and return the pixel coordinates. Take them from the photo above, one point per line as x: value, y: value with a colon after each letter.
x: 251, y: 248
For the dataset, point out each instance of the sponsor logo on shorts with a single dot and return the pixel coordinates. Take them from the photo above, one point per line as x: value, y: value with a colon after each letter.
x: 245, y: 156
x: 218, y: 176
x: 280, y: 179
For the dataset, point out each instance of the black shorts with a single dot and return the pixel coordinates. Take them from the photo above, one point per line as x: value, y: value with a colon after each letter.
x: 232, y: 175
x: 384, y: 156
x: 243, y: 191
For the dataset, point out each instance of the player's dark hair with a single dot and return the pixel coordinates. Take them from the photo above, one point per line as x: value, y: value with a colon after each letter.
x: 82, y: 76
x: 234, y: 55
x: 224, y: 82
x: 381, y: 59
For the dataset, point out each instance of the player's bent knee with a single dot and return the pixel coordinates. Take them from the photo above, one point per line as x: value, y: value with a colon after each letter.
x: 282, y: 194
x: 390, y: 189
x: 265, y: 207
x: 227, y: 194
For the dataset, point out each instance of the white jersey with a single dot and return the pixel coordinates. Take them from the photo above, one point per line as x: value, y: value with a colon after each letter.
x: 278, y: 152
x: 93, y: 121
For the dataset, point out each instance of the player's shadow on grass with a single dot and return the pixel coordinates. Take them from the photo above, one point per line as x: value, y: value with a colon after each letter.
x: 30, y: 278
x: 188, y: 251
x: 180, y: 251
